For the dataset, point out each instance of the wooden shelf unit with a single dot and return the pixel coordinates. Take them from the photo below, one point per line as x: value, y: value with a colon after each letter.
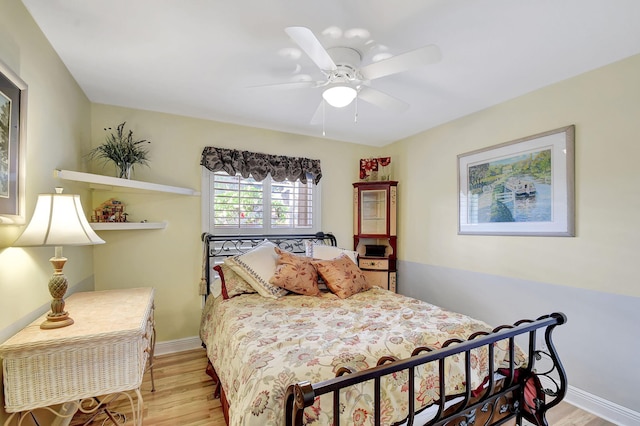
x: 374, y: 222
x: 109, y: 183
x: 126, y: 226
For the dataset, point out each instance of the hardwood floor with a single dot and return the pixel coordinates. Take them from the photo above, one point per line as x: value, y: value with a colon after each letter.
x: 184, y: 397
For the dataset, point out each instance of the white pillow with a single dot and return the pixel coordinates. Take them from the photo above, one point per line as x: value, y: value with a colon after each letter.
x: 215, y: 289
x: 257, y: 266
x: 325, y: 252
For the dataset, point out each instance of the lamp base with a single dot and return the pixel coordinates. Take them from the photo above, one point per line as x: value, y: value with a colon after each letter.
x: 56, y: 322
x: 58, y: 317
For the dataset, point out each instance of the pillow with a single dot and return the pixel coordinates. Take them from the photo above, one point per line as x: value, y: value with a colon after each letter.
x: 215, y: 285
x: 232, y: 283
x: 325, y: 252
x: 295, y: 273
x: 343, y: 277
x: 257, y: 266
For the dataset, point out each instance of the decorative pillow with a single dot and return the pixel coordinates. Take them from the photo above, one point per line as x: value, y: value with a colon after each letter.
x: 257, y: 266
x: 232, y: 283
x: 325, y: 252
x: 295, y: 273
x: 343, y: 277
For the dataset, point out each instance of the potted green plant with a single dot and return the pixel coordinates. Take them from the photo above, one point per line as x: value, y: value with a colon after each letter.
x: 121, y: 148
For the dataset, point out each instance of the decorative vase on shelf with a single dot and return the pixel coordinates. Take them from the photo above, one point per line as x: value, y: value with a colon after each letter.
x: 122, y: 149
x: 124, y: 170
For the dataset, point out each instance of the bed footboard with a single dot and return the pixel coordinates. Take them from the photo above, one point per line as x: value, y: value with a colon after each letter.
x: 520, y: 393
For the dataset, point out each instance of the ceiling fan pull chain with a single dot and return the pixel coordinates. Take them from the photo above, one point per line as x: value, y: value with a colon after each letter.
x: 323, y: 105
x: 355, y: 117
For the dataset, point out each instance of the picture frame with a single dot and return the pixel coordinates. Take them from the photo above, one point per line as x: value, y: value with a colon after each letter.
x: 13, y: 109
x: 523, y: 187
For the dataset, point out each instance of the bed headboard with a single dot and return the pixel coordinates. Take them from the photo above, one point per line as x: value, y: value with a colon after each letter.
x: 219, y: 247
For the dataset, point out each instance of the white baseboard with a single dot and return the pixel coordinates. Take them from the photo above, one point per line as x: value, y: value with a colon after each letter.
x: 608, y: 410
x: 180, y: 345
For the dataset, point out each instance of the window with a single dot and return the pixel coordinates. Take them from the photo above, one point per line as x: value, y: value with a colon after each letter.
x: 237, y: 202
x: 236, y: 205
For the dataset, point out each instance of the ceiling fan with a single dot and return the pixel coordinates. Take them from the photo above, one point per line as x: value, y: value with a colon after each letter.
x: 346, y: 80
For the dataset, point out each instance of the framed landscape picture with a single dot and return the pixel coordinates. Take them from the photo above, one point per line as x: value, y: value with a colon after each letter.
x: 13, y: 98
x: 522, y: 187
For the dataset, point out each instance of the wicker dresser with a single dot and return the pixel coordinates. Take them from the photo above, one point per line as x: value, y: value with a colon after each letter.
x: 105, y: 351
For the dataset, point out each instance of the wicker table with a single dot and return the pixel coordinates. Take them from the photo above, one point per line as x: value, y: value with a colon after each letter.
x: 104, y: 352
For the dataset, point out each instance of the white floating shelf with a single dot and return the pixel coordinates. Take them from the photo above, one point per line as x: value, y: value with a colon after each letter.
x: 108, y: 182
x: 126, y: 226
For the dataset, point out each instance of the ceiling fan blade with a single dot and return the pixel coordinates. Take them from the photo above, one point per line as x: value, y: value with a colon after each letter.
x: 287, y: 86
x: 415, y: 58
x: 382, y: 100
x: 312, y: 47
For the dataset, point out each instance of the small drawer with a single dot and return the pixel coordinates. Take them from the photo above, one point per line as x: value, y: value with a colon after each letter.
x: 372, y: 263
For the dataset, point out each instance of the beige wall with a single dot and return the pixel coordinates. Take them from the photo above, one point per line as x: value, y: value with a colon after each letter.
x: 170, y: 259
x: 604, y: 105
x: 57, y: 128
x: 591, y: 277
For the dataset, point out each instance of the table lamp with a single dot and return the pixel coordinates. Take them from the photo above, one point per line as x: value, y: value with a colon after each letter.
x: 58, y: 220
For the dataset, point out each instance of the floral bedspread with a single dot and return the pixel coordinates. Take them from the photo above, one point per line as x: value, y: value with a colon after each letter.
x: 260, y: 346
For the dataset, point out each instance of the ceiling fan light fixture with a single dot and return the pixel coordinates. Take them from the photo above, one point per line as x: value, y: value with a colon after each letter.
x: 339, y: 95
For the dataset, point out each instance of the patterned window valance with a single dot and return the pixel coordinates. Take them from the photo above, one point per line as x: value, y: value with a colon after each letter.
x: 259, y: 165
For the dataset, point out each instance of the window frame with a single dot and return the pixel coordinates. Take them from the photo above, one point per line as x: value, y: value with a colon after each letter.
x: 207, y: 213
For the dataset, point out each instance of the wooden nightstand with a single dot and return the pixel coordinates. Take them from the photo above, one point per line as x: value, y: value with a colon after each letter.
x: 106, y: 351
x: 376, y: 269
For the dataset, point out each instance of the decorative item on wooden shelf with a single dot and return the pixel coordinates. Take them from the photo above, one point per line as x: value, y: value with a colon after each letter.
x: 111, y: 210
x: 375, y: 169
x: 121, y: 148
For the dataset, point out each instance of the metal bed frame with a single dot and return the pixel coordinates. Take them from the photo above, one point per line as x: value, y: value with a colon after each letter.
x: 218, y: 247
x: 523, y: 394
x: 495, y: 405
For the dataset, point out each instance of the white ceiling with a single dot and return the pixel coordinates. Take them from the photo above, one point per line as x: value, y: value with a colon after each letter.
x: 199, y: 58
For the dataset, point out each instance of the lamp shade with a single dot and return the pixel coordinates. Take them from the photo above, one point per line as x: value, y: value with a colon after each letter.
x: 58, y: 220
x: 339, y: 95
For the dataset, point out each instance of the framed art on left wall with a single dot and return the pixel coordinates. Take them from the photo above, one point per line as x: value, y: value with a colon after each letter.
x: 13, y: 108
